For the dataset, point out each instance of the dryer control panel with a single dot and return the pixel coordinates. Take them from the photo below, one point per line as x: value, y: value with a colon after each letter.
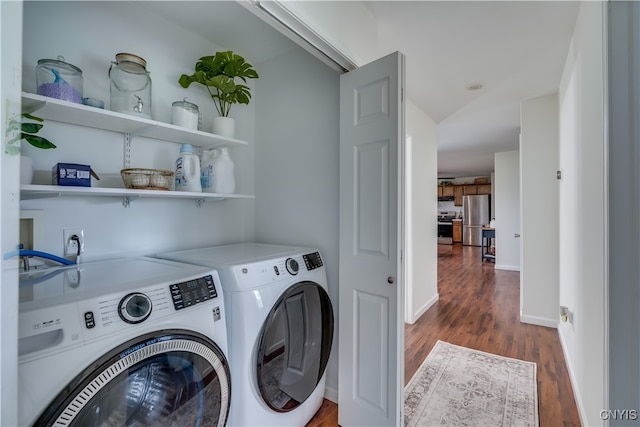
x: 186, y: 294
x: 312, y: 260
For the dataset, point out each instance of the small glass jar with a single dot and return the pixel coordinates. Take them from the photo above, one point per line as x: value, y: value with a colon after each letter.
x: 130, y: 88
x: 185, y: 114
x: 59, y: 79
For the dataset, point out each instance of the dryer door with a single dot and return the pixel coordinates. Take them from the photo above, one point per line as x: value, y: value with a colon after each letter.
x: 294, y: 346
x: 172, y: 378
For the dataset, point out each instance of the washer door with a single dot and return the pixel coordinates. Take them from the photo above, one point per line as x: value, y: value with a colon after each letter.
x: 294, y: 346
x: 168, y: 378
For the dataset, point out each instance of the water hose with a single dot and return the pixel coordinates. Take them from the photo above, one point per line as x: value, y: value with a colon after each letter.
x: 46, y: 255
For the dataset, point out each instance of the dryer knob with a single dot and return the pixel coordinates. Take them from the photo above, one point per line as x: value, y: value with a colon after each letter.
x: 134, y: 308
x: 292, y: 266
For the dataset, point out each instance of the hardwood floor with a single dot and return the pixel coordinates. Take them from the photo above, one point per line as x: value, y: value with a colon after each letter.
x: 479, y: 308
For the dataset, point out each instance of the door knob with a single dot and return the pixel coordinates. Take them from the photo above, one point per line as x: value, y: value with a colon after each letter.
x: 390, y: 280
x: 516, y: 235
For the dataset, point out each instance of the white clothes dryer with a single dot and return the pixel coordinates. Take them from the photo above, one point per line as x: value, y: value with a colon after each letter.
x: 137, y: 341
x: 281, y: 325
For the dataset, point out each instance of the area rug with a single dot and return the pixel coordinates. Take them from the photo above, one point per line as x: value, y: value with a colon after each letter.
x: 458, y: 386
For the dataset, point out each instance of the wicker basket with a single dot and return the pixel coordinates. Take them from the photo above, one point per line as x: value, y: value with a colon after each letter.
x: 147, y: 179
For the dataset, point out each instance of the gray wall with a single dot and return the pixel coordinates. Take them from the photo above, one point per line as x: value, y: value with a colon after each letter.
x: 297, y: 162
x: 624, y: 208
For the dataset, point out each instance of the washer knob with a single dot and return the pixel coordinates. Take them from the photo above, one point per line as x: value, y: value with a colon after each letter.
x: 292, y: 266
x: 135, y: 308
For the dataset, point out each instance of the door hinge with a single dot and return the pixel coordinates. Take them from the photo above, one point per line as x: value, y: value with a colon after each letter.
x: 559, y: 175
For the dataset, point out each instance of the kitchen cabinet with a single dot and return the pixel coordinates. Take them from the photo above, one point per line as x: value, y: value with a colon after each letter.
x: 457, y: 195
x: 469, y: 189
x: 484, y: 188
x: 445, y: 191
x: 130, y: 126
x: 457, y: 231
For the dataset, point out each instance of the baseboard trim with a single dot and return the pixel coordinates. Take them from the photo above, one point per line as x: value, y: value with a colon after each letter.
x: 331, y: 393
x: 572, y: 377
x: 424, y: 309
x: 507, y: 267
x: 540, y: 321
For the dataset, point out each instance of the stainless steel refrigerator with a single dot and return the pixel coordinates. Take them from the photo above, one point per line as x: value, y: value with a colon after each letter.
x: 476, y: 212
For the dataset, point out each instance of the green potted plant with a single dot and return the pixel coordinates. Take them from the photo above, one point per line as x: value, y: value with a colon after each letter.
x: 218, y: 73
x: 27, y: 131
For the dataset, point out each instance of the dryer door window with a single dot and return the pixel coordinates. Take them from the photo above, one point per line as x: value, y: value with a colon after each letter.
x: 177, y: 379
x: 294, y: 346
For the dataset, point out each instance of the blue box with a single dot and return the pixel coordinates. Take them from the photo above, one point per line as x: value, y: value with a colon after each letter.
x: 71, y: 174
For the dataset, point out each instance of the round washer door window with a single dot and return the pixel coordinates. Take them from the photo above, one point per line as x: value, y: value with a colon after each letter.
x: 294, y: 346
x: 178, y: 378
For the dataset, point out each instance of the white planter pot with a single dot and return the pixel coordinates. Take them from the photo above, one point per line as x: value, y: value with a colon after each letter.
x: 26, y: 170
x: 224, y: 126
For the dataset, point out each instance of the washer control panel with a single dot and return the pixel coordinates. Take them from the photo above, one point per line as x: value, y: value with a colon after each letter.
x: 192, y: 292
x: 312, y: 260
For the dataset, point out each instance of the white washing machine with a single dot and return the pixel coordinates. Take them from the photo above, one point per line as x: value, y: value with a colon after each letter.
x: 280, y: 322
x: 135, y: 342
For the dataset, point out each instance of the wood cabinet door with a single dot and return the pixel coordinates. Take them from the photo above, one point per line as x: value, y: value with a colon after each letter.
x: 457, y: 195
x: 447, y: 190
x: 457, y: 231
x: 470, y: 189
x: 484, y: 188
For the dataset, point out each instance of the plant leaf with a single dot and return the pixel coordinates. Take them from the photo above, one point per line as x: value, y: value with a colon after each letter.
x: 31, y: 127
x: 38, y: 141
x: 29, y: 116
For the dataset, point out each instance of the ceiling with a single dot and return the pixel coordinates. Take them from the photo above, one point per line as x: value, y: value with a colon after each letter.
x: 515, y: 49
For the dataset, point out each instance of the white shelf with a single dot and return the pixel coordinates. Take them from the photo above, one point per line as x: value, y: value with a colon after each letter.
x: 29, y: 192
x: 83, y: 115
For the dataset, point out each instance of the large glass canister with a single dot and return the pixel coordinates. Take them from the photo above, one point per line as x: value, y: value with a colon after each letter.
x: 130, y: 88
x: 59, y: 79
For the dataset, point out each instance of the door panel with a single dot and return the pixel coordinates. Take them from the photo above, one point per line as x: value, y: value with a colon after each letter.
x: 372, y: 205
x: 371, y: 341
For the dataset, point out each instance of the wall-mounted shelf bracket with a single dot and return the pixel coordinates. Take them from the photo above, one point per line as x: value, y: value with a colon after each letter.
x: 126, y: 200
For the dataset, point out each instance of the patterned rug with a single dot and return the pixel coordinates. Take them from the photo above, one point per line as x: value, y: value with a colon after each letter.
x: 458, y: 386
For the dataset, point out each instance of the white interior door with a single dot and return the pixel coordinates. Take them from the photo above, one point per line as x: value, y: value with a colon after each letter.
x: 371, y: 342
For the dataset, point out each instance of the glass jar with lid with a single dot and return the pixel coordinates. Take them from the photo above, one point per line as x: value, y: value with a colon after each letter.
x: 130, y: 87
x: 56, y: 78
x: 185, y: 114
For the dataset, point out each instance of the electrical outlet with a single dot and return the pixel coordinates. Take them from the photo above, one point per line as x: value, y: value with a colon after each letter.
x: 70, y: 244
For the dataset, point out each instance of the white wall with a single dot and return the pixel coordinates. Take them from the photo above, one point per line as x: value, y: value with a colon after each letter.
x: 582, y: 204
x: 297, y: 152
x: 539, y: 210
x: 11, y: 51
x: 507, y: 215
x: 148, y: 225
x: 422, y: 254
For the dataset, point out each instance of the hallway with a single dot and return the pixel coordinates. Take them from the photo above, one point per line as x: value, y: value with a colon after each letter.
x: 478, y: 308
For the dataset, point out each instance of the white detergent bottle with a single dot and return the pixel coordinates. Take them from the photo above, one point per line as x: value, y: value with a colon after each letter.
x: 188, y: 170
x: 208, y: 174
x: 225, y: 181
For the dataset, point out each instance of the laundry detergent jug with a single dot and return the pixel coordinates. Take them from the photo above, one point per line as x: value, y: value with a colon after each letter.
x: 223, y: 168
x: 208, y: 174
x: 188, y: 170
